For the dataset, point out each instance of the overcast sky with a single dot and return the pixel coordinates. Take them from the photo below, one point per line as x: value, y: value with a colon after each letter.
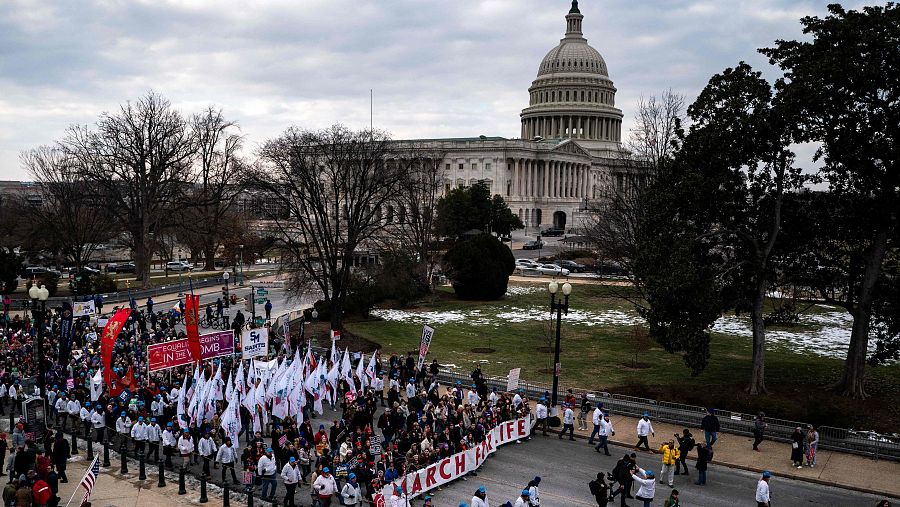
x: 438, y: 68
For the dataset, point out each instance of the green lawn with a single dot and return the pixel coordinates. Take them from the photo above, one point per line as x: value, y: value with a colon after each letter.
x: 601, y: 356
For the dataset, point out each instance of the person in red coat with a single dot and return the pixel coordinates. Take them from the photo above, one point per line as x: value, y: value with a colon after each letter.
x: 41, y: 493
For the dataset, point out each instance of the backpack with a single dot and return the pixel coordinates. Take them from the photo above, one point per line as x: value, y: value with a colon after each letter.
x: 593, y: 487
x: 689, y: 444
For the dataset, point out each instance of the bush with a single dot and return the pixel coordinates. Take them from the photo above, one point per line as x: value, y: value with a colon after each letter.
x: 479, y: 267
x: 102, y: 283
x: 10, y: 267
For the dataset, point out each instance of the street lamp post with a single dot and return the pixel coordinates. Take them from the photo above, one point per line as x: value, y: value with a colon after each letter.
x: 40, y: 295
x: 241, y: 276
x: 561, y: 306
x: 227, y: 316
x: 180, y: 269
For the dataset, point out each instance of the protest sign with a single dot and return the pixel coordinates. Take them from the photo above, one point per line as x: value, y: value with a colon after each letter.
x: 512, y: 382
x: 174, y: 353
x: 255, y: 343
x: 83, y: 308
x: 427, y: 334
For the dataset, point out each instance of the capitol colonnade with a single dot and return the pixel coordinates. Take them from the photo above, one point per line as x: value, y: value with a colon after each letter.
x: 551, y: 179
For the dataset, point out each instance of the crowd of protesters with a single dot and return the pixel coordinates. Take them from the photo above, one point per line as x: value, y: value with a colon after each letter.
x: 406, y: 412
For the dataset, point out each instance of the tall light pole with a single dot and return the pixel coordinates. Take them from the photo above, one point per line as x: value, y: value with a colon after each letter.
x: 40, y: 295
x: 561, y: 306
x: 180, y: 269
x: 227, y: 316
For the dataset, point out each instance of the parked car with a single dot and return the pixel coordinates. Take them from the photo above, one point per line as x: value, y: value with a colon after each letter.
x: 533, y: 245
x: 552, y: 269
x: 552, y: 231
x: 572, y: 266
x: 179, y: 266
x: 85, y: 271
x: 527, y: 262
x: 125, y: 267
x: 37, y: 271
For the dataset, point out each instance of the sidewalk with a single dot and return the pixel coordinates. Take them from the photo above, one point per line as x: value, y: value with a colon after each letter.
x: 126, y: 491
x: 832, y: 468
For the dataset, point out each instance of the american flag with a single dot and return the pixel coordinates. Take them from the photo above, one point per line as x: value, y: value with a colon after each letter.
x: 90, y: 478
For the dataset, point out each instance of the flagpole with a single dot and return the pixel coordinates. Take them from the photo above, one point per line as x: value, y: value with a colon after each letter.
x: 82, y: 479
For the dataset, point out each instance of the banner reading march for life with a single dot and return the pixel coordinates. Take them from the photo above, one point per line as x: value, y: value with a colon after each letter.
x: 459, y: 464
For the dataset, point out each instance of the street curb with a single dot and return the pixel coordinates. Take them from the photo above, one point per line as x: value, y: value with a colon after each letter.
x: 747, y: 468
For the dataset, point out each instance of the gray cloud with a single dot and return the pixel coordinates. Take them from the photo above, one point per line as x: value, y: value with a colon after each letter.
x: 437, y: 68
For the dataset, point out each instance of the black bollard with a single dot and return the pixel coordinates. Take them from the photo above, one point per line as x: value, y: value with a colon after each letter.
x: 226, y: 496
x: 12, y: 418
x: 250, y: 497
x: 106, y: 462
x: 74, y: 442
x: 90, y: 448
x: 203, y: 498
x: 123, y: 469
x: 142, y: 472
x: 162, y: 475
x: 181, y: 489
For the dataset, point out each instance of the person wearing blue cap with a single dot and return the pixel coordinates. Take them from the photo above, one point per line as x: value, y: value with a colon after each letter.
x: 265, y: 468
x: 763, y: 498
x: 479, y: 499
x: 325, y: 487
x: 350, y: 493
x: 522, y: 501
x: 644, y: 428
x: 207, y: 449
x: 647, y: 483
x: 139, y: 434
x: 540, y: 411
x: 428, y: 502
x: 290, y: 474
x: 154, y: 435
x: 568, y: 422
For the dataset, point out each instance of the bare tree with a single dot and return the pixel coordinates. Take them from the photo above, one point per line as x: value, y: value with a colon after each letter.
x: 137, y: 162
x: 418, y: 196
x: 218, y: 170
x: 331, y: 186
x: 614, y: 219
x: 654, y: 136
x: 65, y: 214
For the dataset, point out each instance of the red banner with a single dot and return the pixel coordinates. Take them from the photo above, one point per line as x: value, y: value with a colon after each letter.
x: 191, y: 322
x: 174, y: 353
x: 108, y: 342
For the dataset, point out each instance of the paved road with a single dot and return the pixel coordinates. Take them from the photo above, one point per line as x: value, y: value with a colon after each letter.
x: 566, y: 467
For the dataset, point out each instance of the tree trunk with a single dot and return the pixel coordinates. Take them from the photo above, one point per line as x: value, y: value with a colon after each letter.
x: 209, y: 253
x: 852, y: 382
x: 758, y: 369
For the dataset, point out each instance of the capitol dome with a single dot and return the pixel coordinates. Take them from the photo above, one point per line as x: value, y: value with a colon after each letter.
x: 573, y: 56
x: 573, y: 96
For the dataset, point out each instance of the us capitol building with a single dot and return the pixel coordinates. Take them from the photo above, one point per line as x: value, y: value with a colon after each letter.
x: 570, y: 149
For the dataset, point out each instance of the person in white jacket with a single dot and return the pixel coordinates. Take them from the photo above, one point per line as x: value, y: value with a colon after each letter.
x: 350, y: 493
x: 522, y: 501
x: 290, y: 474
x: 479, y: 499
x: 325, y: 487
x: 534, y: 492
x: 139, y: 435
x: 227, y: 456
x: 207, y: 448
x: 644, y: 428
x: 596, y: 419
x: 185, y: 447
x: 647, y: 482
x: 606, y: 431
x: 763, y: 497
x: 398, y: 498
x: 265, y: 469
x: 540, y: 411
x: 154, y: 435
x: 169, y: 443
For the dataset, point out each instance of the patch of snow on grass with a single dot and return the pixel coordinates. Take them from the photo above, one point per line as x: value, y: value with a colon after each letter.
x: 518, y: 290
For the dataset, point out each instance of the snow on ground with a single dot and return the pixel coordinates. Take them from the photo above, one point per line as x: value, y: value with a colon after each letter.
x: 826, y: 334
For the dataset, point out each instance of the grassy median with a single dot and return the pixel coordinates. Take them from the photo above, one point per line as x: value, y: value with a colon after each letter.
x: 604, y: 348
